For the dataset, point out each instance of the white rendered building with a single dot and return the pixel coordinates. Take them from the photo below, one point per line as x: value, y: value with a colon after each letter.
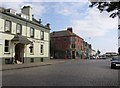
x: 22, y: 37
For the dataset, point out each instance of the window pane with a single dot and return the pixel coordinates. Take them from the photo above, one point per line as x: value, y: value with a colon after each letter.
x: 31, y: 32
x: 73, y: 45
x: 31, y: 48
x: 41, y: 49
x: 6, y: 48
x: 7, y: 25
x: 6, y: 43
x: 19, y: 28
x: 42, y: 35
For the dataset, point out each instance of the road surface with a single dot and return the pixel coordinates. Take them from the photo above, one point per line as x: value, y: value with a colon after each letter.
x: 68, y: 73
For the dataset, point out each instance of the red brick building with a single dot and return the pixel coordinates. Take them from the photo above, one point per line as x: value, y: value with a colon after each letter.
x: 66, y: 44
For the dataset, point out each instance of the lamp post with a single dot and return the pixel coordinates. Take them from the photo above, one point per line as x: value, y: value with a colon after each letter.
x: 119, y: 31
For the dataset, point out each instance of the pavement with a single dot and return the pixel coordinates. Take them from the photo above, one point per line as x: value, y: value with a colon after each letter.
x: 29, y: 65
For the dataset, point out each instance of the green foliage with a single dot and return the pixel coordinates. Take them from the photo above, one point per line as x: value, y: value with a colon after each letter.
x: 113, y: 7
x: 98, y: 52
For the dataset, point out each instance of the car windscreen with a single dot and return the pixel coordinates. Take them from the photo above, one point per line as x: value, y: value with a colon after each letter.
x: 116, y: 58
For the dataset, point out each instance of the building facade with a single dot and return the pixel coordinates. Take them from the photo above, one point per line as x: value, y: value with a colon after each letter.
x: 87, y: 50
x: 22, y: 38
x: 66, y: 44
x: 110, y: 54
x: 93, y: 52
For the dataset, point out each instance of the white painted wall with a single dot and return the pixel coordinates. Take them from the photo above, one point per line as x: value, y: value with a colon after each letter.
x: 13, y: 28
x: 1, y: 25
x: 25, y: 31
x: 46, y: 36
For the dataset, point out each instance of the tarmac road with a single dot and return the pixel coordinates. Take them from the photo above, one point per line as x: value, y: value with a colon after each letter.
x: 69, y: 73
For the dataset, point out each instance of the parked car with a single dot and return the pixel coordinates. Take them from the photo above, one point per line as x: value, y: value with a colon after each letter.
x: 92, y: 57
x: 115, y: 62
x: 102, y: 57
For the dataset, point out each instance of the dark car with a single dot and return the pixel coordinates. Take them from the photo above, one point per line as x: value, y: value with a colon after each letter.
x: 115, y: 62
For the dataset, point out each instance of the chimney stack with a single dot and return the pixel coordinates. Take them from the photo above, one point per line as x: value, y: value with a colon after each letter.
x: 70, y: 29
x: 27, y: 10
x: 48, y: 25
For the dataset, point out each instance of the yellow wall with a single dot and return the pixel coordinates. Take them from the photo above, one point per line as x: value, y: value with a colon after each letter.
x: 23, y: 30
x: 37, y: 34
x: 37, y: 44
x: 1, y: 43
x: 28, y: 31
x: 13, y: 28
x: 46, y: 36
x: 6, y: 37
x: 1, y: 25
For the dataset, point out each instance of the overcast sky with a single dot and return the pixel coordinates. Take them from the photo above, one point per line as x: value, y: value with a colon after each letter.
x: 94, y: 27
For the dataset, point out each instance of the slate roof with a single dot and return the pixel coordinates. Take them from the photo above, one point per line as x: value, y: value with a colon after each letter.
x: 35, y: 22
x: 63, y: 34
x: 21, y: 39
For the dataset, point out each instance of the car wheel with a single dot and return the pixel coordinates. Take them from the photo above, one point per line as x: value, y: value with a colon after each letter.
x: 112, y: 66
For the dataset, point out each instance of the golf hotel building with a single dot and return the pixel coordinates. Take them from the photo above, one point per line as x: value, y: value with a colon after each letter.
x: 23, y: 39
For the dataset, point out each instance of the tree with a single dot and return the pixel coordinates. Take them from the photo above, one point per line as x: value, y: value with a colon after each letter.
x: 98, y: 52
x: 108, y: 6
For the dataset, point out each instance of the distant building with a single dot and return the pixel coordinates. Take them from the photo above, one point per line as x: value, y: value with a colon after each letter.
x: 22, y: 37
x: 66, y: 44
x: 93, y: 52
x: 87, y: 49
x: 110, y: 54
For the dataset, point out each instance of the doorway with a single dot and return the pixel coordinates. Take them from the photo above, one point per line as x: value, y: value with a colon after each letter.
x: 73, y: 54
x: 19, y: 52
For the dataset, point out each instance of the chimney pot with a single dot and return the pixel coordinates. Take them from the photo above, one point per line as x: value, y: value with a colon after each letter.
x: 70, y: 29
x: 48, y: 25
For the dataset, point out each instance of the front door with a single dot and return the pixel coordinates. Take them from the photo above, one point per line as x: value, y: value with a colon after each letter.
x: 19, y: 52
x: 73, y: 54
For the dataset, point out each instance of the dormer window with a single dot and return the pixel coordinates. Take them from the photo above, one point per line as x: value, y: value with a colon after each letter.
x: 12, y: 11
x: 19, y: 29
x: 7, y: 26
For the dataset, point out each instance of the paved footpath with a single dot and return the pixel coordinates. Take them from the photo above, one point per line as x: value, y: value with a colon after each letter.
x: 36, y: 64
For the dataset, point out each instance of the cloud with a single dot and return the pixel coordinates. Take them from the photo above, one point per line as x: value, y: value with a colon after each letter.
x: 44, y: 0
x: 86, y: 22
x: 94, y: 24
x: 69, y: 8
x: 38, y: 9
